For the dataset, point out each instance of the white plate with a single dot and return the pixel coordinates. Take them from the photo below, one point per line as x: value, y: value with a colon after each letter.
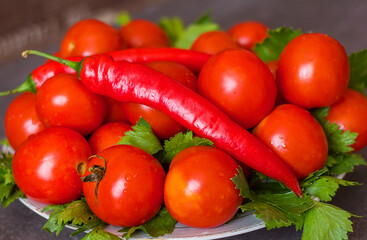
x: 243, y: 224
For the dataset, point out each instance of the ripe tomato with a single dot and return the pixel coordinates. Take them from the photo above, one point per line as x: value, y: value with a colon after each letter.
x: 198, y: 191
x: 73, y: 106
x: 21, y: 119
x: 350, y: 113
x: 246, y: 90
x: 107, y: 135
x: 131, y: 191
x: 114, y: 111
x: 313, y: 71
x: 213, y: 42
x: 143, y: 33
x: 163, y: 126
x: 48, y: 166
x: 89, y: 37
x: 296, y: 137
x: 248, y: 33
x: 273, y: 66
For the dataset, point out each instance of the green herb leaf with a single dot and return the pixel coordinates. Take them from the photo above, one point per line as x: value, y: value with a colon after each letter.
x: 122, y: 18
x: 338, y: 140
x: 181, y: 141
x: 240, y: 181
x: 161, y: 224
x: 192, y: 32
x: 173, y: 27
x: 344, y: 163
x: 99, y: 234
x: 76, y: 213
x: 274, y: 44
x: 142, y: 137
x: 9, y: 191
x: 323, y: 188
x: 327, y: 222
x: 358, y: 71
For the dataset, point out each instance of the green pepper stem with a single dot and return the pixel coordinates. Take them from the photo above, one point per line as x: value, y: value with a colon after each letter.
x: 28, y: 86
x: 74, y: 65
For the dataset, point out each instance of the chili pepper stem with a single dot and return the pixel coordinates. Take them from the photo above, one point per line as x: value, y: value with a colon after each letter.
x: 74, y: 65
x: 28, y: 86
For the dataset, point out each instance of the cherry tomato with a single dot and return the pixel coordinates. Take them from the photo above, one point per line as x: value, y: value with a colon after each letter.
x: 89, y: 37
x: 198, y: 191
x: 49, y: 165
x: 350, y: 113
x: 240, y: 84
x: 64, y: 101
x: 273, y: 66
x: 163, y: 126
x: 248, y: 33
x: 107, y: 135
x: 114, y: 111
x: 143, y: 33
x: 21, y: 119
x: 131, y: 191
x: 296, y: 137
x: 213, y: 42
x: 313, y: 71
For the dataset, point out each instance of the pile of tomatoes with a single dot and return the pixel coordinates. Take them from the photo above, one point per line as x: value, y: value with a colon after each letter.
x: 65, y: 132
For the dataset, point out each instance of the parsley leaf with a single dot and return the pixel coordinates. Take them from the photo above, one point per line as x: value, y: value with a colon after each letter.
x: 122, y: 18
x: 338, y: 140
x: 9, y: 191
x: 344, y: 163
x: 274, y: 44
x: 184, y: 37
x: 76, y: 213
x: 358, y: 71
x: 240, y: 181
x: 181, y: 141
x: 161, y: 224
x: 327, y: 222
x: 142, y: 137
x: 99, y: 234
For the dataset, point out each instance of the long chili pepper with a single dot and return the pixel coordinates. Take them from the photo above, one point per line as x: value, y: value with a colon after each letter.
x: 191, y: 59
x: 129, y: 82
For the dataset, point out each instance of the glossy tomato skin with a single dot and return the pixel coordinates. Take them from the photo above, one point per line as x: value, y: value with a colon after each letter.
x: 64, y: 101
x: 90, y: 37
x: 240, y: 84
x: 350, y: 113
x: 248, y: 33
x: 140, y: 33
x: 163, y: 126
x: 131, y: 191
x: 313, y: 71
x: 21, y: 119
x: 49, y: 165
x: 198, y: 191
x: 107, y: 135
x: 213, y: 42
x: 296, y: 137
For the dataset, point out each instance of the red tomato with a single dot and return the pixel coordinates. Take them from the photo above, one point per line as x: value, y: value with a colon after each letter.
x: 48, y: 166
x: 213, y: 42
x: 273, y: 66
x: 114, y: 111
x: 107, y: 135
x: 131, y: 191
x: 296, y: 137
x: 21, y: 119
x: 143, y: 33
x: 240, y: 84
x: 163, y: 126
x: 64, y: 101
x: 313, y: 71
x: 249, y: 33
x: 89, y: 37
x: 350, y: 113
x: 198, y: 191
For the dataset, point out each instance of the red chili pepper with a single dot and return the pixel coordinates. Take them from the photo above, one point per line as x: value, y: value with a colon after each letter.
x: 129, y: 82
x: 191, y: 59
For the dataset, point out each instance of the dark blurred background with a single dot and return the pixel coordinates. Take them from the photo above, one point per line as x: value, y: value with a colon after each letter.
x: 37, y: 24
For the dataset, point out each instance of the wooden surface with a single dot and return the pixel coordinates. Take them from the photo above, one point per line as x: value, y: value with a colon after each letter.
x: 341, y: 19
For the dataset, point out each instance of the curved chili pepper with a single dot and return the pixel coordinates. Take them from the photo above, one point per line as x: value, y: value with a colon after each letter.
x: 191, y: 59
x: 129, y: 82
